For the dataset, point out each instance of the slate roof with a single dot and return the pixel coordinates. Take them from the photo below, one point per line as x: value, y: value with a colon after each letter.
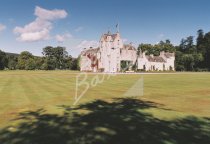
x: 155, y: 58
x: 168, y: 55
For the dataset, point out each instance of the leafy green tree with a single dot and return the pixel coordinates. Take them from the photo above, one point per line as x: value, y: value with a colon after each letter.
x: 12, y: 62
x: 206, y: 50
x: 188, y: 61
x: 179, y: 63
x: 157, y: 48
x: 55, y: 57
x: 23, y: 59
x: 75, y: 64
x: 38, y: 62
x: 198, y: 58
x: 200, y: 41
x: 145, y: 47
x: 187, y: 45
x: 49, y: 64
x: 3, y: 60
x: 68, y: 62
x: 30, y: 64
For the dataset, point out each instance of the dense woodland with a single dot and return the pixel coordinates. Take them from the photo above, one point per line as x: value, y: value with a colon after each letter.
x: 53, y: 58
x: 193, y: 54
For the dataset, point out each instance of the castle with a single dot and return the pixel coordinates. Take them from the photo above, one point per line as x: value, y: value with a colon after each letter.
x: 112, y: 55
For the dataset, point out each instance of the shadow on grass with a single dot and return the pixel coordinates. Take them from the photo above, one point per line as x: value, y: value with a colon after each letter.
x: 117, y: 122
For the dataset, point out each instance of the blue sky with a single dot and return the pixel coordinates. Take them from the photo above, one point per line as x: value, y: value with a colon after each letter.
x: 31, y: 25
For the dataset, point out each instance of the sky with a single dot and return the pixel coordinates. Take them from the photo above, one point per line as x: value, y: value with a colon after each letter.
x: 30, y: 25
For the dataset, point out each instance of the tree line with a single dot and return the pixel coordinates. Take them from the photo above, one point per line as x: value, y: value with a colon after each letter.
x: 190, y: 55
x: 53, y: 58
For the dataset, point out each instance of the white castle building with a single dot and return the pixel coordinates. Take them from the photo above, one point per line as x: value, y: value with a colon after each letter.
x: 112, y: 53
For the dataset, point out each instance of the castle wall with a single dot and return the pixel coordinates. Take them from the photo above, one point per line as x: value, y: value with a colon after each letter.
x: 128, y: 55
x: 157, y: 63
x: 112, y: 51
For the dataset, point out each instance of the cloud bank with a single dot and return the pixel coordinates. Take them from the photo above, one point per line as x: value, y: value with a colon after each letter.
x: 40, y: 28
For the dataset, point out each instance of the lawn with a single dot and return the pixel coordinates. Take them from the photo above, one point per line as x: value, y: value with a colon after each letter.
x: 37, y: 107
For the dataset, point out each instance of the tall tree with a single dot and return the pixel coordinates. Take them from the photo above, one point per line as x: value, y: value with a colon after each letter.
x: 23, y: 60
x: 157, y: 48
x: 187, y: 45
x: 3, y: 60
x: 206, y: 50
x: 200, y: 39
x: 55, y: 57
x: 12, y: 62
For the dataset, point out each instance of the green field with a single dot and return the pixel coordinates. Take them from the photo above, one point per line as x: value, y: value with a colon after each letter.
x: 36, y: 107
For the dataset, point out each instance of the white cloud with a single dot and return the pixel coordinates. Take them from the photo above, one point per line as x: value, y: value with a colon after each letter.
x: 49, y: 14
x: 79, y: 29
x: 34, y: 26
x: 62, y: 38
x: 40, y: 28
x: 34, y: 36
x: 88, y: 44
x: 2, y: 27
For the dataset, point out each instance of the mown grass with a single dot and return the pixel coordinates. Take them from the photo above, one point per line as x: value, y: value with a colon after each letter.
x: 184, y: 93
x: 179, y: 95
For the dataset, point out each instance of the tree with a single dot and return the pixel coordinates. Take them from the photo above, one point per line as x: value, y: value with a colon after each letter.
x: 206, y: 50
x: 12, y: 62
x: 75, y: 63
x: 145, y: 48
x: 3, y: 60
x: 187, y: 45
x: 56, y: 55
x: 200, y: 40
x: 198, y: 58
x: 179, y: 63
x: 38, y: 62
x: 189, y: 57
x: 30, y: 64
x: 68, y: 62
x: 23, y: 59
x: 157, y: 48
x: 49, y: 64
